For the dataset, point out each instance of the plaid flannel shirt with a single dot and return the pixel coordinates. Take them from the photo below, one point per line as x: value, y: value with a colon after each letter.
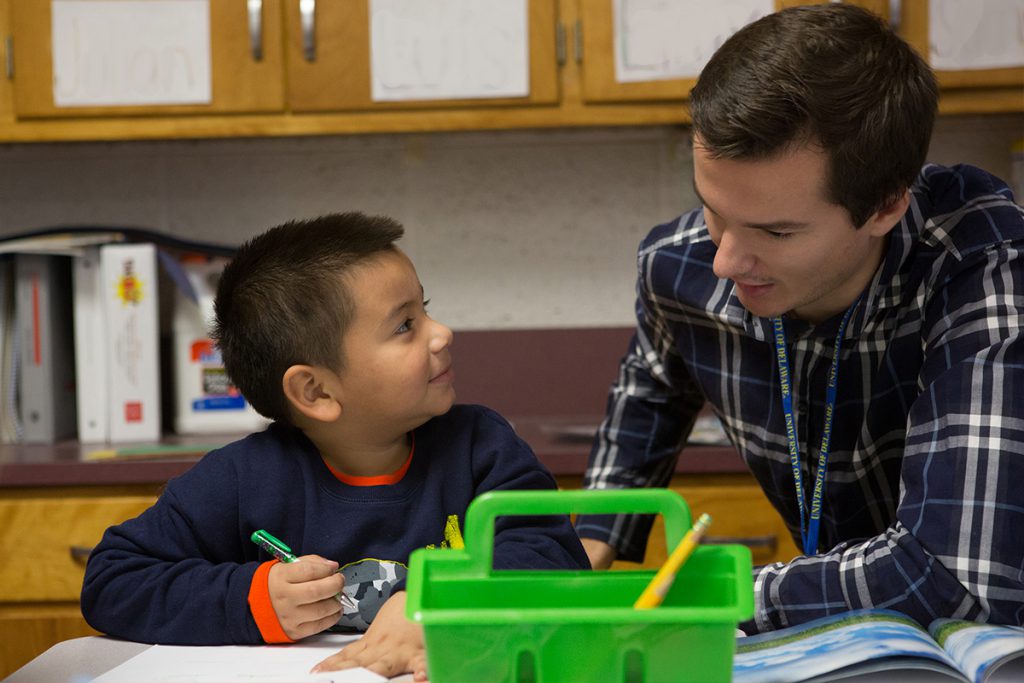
x: 924, y: 491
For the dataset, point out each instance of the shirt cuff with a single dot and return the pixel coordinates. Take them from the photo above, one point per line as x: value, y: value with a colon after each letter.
x: 263, y: 609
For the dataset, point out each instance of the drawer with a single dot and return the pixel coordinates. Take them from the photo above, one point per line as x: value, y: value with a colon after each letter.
x: 45, y: 542
x: 739, y: 514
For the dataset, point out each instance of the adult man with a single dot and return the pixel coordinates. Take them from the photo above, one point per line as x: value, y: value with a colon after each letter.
x: 821, y: 238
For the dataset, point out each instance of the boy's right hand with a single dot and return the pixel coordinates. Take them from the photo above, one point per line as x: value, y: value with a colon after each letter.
x: 303, y: 595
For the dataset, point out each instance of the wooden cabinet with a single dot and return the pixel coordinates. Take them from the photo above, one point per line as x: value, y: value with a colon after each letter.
x: 739, y: 511
x: 47, y: 534
x: 245, y: 77
x: 572, y: 78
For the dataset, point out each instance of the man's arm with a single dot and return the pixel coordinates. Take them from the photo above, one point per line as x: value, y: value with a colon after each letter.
x: 651, y: 409
x: 956, y: 548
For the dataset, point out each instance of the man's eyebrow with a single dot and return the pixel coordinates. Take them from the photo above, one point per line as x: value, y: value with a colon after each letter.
x: 770, y: 226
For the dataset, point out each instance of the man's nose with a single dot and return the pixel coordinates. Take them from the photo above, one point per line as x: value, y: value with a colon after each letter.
x: 732, y: 258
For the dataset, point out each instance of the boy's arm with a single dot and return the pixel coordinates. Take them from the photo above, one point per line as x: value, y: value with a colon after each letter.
x: 503, y: 461
x: 150, y: 579
x: 182, y: 572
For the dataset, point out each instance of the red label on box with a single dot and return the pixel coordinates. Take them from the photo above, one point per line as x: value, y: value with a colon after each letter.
x: 133, y: 411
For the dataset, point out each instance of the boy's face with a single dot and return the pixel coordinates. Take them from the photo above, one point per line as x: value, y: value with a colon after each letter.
x: 785, y: 246
x: 397, y: 360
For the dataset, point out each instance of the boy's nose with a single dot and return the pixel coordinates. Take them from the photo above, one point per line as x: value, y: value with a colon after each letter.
x: 441, y: 337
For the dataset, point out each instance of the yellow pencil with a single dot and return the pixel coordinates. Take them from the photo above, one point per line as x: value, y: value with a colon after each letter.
x: 657, y: 589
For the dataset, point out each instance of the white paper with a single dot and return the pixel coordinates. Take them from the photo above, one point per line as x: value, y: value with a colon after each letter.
x: 131, y: 52
x: 238, y: 663
x: 448, y: 49
x: 983, y: 34
x: 665, y: 39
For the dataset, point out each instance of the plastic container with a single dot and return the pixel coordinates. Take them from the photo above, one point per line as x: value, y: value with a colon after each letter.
x: 206, y: 402
x: 556, y: 626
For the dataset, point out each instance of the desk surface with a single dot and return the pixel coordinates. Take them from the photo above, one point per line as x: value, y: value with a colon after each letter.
x: 80, y: 660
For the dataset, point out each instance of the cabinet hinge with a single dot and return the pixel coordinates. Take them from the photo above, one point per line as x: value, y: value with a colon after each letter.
x: 9, y: 56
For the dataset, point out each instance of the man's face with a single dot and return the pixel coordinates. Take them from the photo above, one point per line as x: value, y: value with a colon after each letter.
x: 786, y: 248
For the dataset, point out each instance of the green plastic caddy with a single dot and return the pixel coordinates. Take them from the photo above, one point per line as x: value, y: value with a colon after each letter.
x: 484, y: 625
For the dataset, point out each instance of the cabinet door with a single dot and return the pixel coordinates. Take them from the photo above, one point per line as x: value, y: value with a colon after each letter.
x: 1005, y: 18
x: 49, y: 540
x: 602, y: 44
x: 328, y: 57
x: 240, y: 82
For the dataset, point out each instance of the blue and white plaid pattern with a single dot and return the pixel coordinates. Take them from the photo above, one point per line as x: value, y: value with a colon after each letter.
x: 924, y: 495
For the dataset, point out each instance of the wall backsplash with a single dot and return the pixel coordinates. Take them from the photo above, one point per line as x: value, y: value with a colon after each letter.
x: 509, y: 230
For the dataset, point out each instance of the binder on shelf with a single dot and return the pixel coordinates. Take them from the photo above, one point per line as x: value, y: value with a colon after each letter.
x: 129, y: 279
x: 46, y: 373
x: 91, y: 377
x: 10, y: 426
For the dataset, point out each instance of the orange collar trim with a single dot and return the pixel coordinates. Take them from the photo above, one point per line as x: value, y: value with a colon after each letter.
x: 376, y: 480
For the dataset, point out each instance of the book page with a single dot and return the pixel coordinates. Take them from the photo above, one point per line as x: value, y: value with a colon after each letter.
x: 872, y: 640
x: 238, y: 663
x: 979, y: 649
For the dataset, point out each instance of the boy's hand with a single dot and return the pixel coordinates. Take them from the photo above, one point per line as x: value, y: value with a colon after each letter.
x: 302, y: 594
x: 392, y: 645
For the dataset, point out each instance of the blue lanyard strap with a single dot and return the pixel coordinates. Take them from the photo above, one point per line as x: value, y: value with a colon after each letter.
x: 809, y: 530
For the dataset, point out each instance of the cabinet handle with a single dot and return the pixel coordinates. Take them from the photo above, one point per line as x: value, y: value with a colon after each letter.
x: 769, y: 542
x: 256, y: 29
x: 307, y: 16
x: 80, y: 553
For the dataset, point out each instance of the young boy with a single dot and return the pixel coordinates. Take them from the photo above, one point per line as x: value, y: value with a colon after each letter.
x: 323, y: 327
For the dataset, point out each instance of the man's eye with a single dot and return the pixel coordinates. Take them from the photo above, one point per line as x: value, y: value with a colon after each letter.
x: 779, y: 235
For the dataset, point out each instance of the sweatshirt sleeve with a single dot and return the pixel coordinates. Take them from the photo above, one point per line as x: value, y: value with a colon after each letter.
x: 504, y: 462
x: 178, y: 573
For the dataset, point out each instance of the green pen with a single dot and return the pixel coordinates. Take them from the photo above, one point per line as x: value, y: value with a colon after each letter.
x: 276, y: 547
x: 273, y: 545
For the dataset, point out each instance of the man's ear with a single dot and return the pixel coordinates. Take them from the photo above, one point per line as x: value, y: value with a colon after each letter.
x: 313, y: 391
x: 886, y: 218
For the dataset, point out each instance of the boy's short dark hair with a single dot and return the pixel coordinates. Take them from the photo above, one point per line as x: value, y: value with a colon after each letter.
x: 283, y: 300
x: 833, y: 75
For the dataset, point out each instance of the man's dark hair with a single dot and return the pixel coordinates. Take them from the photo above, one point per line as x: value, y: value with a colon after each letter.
x: 831, y: 75
x: 284, y: 300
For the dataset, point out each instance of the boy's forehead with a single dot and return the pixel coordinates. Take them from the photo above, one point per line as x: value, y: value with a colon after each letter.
x: 382, y: 284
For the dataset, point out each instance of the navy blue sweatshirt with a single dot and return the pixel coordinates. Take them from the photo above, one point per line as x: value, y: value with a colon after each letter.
x: 181, y: 572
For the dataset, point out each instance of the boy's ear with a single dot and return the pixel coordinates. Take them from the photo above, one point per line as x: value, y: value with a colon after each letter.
x: 313, y: 391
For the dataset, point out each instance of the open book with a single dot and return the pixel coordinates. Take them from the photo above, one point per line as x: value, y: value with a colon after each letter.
x: 875, y: 644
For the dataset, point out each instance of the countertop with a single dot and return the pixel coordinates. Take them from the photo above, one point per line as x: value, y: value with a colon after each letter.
x: 562, y: 443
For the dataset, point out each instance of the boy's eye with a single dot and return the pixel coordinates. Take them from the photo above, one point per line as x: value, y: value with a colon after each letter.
x: 405, y: 326
x: 779, y: 235
x: 426, y: 302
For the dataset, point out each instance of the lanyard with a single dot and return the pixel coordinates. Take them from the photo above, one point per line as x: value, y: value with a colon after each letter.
x: 809, y: 531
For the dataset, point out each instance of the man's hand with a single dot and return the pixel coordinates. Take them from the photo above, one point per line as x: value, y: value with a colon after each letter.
x: 600, y: 553
x: 302, y: 594
x: 392, y: 645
